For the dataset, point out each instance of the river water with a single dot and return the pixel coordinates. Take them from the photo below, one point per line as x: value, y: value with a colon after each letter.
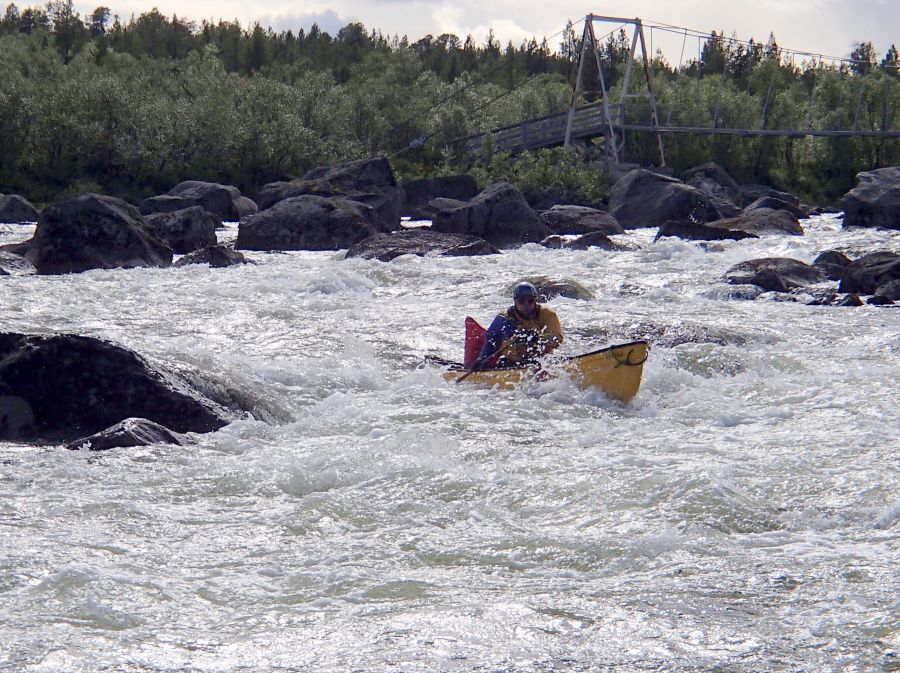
x: 740, y: 514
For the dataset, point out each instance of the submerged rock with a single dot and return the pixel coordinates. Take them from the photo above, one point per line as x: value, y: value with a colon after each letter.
x: 385, y: 247
x: 774, y: 274
x: 216, y: 256
x: 130, y: 432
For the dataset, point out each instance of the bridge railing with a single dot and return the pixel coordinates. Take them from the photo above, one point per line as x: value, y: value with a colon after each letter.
x: 588, y: 121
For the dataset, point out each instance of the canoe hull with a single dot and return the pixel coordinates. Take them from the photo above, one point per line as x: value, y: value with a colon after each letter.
x: 616, y: 370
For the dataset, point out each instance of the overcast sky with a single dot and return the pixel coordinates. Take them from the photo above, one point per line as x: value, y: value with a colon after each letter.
x: 828, y: 27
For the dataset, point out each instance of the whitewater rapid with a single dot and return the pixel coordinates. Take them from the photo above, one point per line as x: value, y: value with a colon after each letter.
x: 741, y: 514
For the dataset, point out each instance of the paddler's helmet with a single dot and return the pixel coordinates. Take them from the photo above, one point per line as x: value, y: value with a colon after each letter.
x: 525, y: 289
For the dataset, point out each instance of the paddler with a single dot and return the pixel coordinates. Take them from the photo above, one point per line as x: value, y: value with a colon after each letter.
x: 521, y: 334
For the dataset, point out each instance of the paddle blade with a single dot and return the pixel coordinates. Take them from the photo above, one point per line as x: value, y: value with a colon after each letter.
x: 474, y: 341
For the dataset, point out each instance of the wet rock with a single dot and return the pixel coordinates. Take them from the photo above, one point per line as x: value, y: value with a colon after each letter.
x: 596, y: 239
x: 774, y: 274
x: 695, y: 231
x: 850, y: 300
x: 579, y: 220
x: 710, y: 178
x: 550, y: 288
x: 890, y: 290
x: 500, y: 215
x: 879, y: 300
x: 92, y: 232
x: 385, y: 247
x: 761, y: 222
x: 751, y: 193
x: 875, y: 200
x: 774, y: 203
x: 223, y: 201
x: 368, y: 181
x: 642, y: 198
x: 216, y: 256
x: 185, y: 230
x: 308, y: 223
x: 869, y: 272
x: 418, y: 194
x: 127, y: 433
x: 15, y: 209
x: 15, y: 265
x: 61, y: 387
x: 554, y: 242
x: 832, y: 263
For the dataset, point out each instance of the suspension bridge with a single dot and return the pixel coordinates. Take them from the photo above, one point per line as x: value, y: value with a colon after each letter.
x: 610, y: 115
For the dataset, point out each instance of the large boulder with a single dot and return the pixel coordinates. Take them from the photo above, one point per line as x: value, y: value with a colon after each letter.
x: 92, y: 232
x: 866, y: 274
x: 385, y: 247
x: 752, y: 192
x: 185, y: 230
x: 308, y: 223
x: 15, y: 209
x: 775, y: 203
x: 61, y: 387
x: 642, y: 198
x: 223, y: 201
x: 500, y: 215
x: 368, y: 181
x: 875, y: 201
x: 418, y: 194
x: 565, y: 220
x: 774, y: 274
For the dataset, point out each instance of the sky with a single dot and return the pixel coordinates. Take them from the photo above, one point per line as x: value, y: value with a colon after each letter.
x: 829, y: 27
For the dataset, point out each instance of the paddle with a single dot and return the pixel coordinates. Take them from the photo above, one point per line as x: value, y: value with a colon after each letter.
x: 475, y: 365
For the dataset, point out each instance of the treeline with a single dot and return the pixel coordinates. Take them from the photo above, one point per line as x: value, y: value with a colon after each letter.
x: 132, y: 107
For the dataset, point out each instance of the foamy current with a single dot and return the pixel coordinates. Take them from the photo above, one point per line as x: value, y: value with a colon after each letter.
x: 741, y: 514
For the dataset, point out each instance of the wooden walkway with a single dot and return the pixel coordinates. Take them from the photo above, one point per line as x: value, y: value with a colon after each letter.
x: 588, y: 122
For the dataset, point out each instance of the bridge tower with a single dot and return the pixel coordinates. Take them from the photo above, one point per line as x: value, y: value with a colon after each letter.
x: 614, y: 112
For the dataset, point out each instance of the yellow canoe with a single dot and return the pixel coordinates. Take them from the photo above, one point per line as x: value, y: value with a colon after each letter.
x: 616, y: 370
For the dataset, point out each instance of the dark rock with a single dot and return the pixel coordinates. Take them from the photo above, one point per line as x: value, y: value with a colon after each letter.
x: 850, y: 300
x: 58, y: 388
x: 762, y: 221
x: 91, y: 232
x: 891, y: 290
x: 694, y: 231
x: 385, y: 247
x: 500, y: 215
x: 579, y: 220
x: 550, y: 288
x: 595, y: 240
x: 710, y: 178
x: 130, y: 432
x: 879, y: 300
x: 185, y: 230
x: 223, y: 201
x: 14, y: 209
x: 642, y: 198
x: 428, y: 210
x: 419, y: 193
x: 867, y: 273
x: 15, y: 265
x: 216, y: 256
x: 751, y: 193
x: 368, y: 181
x: 774, y: 203
x: 875, y: 201
x: 554, y: 242
x: 774, y: 274
x: 308, y: 223
x: 833, y: 263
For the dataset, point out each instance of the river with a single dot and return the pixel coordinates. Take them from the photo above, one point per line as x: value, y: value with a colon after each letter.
x: 741, y: 514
